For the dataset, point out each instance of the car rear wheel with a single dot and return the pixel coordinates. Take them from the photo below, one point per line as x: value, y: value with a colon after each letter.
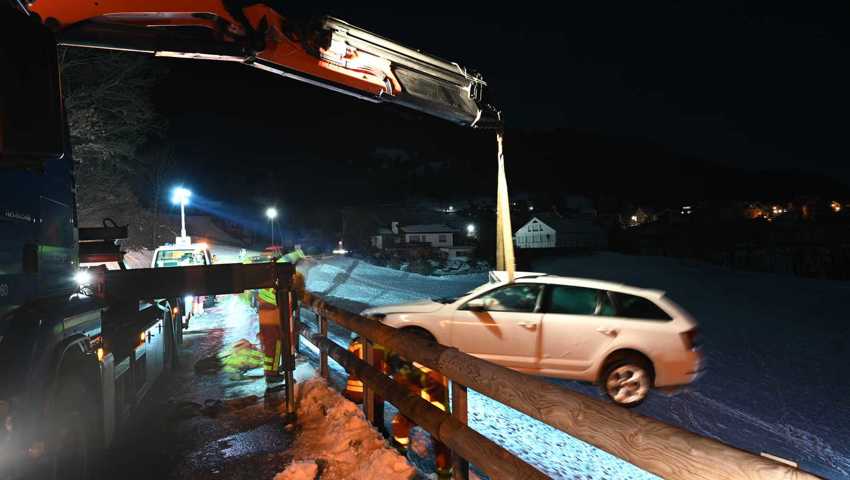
x: 627, y: 380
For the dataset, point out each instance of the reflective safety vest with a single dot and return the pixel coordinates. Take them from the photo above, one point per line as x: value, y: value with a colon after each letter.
x: 429, y: 385
x: 243, y: 356
x: 267, y: 295
x: 354, y: 386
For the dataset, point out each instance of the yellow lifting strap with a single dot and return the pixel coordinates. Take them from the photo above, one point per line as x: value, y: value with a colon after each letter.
x: 504, y: 231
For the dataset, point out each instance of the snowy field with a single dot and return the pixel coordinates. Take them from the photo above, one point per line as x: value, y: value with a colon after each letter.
x: 356, y: 284
x: 777, y: 353
x: 776, y: 349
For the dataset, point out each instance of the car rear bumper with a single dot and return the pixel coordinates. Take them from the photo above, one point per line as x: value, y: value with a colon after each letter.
x: 679, y: 371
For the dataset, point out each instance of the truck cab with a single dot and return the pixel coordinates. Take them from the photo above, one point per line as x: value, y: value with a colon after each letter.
x: 184, y: 253
x: 181, y: 255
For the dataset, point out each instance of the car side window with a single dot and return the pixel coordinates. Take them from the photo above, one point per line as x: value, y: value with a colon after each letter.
x: 573, y: 300
x: 606, y: 305
x: 632, y: 306
x: 512, y: 298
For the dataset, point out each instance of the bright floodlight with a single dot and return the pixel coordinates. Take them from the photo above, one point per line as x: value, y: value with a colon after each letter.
x: 271, y: 213
x: 83, y: 278
x: 470, y: 229
x: 181, y: 195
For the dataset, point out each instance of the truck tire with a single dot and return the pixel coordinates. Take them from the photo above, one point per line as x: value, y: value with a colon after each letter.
x: 72, y: 440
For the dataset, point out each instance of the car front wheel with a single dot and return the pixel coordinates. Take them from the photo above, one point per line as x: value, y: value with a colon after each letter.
x: 627, y: 381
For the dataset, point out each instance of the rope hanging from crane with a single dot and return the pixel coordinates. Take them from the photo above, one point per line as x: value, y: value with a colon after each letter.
x: 504, y: 232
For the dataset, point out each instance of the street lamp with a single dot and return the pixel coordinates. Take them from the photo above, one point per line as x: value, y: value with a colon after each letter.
x: 470, y: 230
x: 181, y: 196
x: 271, y: 214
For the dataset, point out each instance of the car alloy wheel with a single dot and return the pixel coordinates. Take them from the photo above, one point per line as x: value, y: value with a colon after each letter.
x: 628, y: 384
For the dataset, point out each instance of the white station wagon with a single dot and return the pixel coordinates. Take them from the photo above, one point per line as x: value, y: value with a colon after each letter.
x: 624, y: 338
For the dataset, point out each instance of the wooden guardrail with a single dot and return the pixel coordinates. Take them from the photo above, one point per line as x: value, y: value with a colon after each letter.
x: 667, y: 451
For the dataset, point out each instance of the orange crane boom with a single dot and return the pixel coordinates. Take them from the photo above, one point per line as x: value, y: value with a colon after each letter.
x: 326, y: 52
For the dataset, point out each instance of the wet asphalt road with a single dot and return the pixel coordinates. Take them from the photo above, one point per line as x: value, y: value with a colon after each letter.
x: 176, y: 437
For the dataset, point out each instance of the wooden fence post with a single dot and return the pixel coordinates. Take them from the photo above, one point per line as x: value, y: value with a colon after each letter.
x: 460, y: 467
x: 323, y: 355
x: 296, y: 322
x: 373, y: 405
x: 284, y: 308
x: 618, y: 431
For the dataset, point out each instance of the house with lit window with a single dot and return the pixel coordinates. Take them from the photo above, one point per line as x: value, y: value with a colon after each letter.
x: 550, y: 230
x: 437, y: 236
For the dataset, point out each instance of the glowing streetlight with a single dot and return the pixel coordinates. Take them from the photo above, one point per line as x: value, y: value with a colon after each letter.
x: 470, y: 230
x: 181, y: 196
x: 271, y: 214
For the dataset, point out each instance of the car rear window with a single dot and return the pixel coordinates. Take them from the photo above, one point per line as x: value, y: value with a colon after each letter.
x: 632, y: 306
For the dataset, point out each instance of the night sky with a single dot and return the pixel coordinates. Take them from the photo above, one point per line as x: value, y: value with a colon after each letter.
x: 756, y: 87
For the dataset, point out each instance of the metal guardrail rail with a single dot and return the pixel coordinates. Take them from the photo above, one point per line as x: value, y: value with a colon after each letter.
x: 664, y: 450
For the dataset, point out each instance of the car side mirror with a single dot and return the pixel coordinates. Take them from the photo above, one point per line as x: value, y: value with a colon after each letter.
x: 480, y: 304
x: 476, y: 305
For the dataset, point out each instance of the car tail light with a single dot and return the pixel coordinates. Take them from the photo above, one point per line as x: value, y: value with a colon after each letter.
x: 691, y: 339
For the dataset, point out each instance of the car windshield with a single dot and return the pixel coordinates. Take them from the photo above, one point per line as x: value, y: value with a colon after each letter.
x: 180, y: 258
x: 445, y: 299
x: 474, y: 291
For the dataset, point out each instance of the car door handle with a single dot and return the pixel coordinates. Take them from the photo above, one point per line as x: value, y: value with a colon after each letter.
x: 612, y: 332
x: 527, y: 324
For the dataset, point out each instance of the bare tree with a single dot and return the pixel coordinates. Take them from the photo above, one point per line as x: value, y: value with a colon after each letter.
x: 110, y: 116
x: 158, y: 166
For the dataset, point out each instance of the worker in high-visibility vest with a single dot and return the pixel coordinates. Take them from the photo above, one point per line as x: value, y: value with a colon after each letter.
x: 271, y: 336
x: 354, y: 386
x: 432, y: 387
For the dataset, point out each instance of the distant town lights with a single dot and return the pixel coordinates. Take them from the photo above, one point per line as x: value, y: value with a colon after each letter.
x: 836, y: 207
x: 340, y: 250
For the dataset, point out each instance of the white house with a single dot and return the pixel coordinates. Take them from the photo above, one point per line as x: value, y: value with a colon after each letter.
x: 548, y: 230
x: 535, y: 234
x: 440, y: 236
x: 436, y: 235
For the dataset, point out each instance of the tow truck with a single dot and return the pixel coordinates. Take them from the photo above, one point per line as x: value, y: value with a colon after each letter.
x: 76, y: 361
x: 184, y: 253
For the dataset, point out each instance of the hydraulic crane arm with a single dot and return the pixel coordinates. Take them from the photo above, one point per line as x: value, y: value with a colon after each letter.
x: 327, y: 52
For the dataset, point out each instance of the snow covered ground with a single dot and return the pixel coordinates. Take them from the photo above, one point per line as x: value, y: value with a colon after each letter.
x: 355, y: 284
x: 776, y: 349
x: 334, y: 432
x: 355, y: 281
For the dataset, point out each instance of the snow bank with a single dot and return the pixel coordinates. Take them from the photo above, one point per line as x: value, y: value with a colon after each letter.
x: 772, y: 344
x: 334, y: 432
x: 302, y: 470
x: 371, y: 285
